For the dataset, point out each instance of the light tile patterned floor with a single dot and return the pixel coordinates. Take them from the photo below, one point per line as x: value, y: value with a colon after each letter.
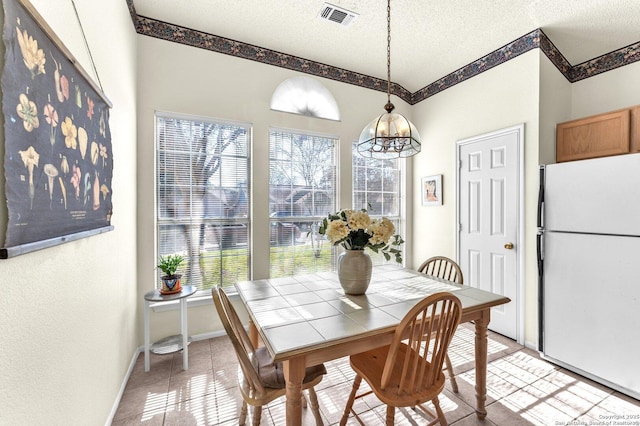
x: 522, y: 389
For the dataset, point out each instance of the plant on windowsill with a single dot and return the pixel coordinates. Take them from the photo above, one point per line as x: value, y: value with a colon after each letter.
x: 169, y: 266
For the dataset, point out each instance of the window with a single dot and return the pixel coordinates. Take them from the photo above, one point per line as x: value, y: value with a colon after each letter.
x: 305, y: 96
x: 302, y: 191
x: 202, y: 173
x: 377, y: 187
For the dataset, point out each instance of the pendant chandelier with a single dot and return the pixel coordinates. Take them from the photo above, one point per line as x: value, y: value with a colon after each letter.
x: 391, y: 134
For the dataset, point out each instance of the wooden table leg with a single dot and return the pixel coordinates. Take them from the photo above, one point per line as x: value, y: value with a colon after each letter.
x: 293, y: 375
x: 481, y: 362
x: 253, y: 334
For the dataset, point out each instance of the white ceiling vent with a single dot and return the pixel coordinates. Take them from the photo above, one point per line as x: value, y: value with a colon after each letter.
x: 337, y: 14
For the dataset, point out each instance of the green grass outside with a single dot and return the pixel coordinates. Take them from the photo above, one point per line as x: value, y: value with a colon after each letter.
x: 233, y: 264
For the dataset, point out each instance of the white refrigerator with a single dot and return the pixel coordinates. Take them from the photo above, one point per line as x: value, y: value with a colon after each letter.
x: 589, y: 269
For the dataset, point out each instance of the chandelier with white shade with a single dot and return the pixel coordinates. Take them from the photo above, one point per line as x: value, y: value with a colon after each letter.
x: 391, y: 134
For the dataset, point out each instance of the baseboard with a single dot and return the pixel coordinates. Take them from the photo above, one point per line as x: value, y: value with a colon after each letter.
x: 116, y: 403
x: 205, y: 336
x: 531, y: 345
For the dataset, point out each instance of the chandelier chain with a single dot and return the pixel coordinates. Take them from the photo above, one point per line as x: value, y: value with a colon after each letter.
x: 388, y: 50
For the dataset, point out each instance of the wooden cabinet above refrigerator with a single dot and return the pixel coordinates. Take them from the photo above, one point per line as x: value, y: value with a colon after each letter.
x: 602, y: 135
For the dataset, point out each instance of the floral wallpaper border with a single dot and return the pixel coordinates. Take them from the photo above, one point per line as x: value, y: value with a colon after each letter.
x: 499, y: 56
x: 189, y: 37
x: 533, y: 40
x: 612, y: 60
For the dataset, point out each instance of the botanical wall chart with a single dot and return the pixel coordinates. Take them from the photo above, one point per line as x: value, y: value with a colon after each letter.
x: 58, y: 158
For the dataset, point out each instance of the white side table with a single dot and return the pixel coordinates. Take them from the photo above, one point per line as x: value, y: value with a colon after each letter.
x: 156, y: 297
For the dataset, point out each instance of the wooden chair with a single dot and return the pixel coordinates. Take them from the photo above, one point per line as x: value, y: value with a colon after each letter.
x: 260, y: 379
x: 447, y: 269
x: 442, y: 267
x: 408, y: 372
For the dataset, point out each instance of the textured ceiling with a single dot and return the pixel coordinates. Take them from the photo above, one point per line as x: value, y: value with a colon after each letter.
x: 429, y: 39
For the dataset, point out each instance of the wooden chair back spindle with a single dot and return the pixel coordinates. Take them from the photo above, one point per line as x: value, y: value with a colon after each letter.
x: 427, y: 329
x: 408, y: 372
x: 442, y: 267
x: 239, y: 338
x: 261, y: 380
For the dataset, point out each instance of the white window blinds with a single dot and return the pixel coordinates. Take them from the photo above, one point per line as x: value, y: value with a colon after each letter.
x: 202, y: 198
x: 302, y: 191
x: 377, y: 187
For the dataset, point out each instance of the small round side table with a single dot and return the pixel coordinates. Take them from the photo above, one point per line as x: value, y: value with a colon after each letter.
x: 156, y: 297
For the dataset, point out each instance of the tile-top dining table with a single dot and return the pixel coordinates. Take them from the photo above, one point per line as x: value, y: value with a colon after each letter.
x: 305, y: 320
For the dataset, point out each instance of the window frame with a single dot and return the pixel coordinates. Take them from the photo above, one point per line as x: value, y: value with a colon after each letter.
x: 158, y: 221
x: 400, y: 221
x: 336, y: 185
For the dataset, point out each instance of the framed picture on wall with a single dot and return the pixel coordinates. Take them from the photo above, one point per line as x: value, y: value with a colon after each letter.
x: 58, y: 159
x: 431, y: 190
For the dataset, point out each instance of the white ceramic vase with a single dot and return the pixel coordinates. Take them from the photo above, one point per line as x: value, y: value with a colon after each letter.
x: 354, y: 271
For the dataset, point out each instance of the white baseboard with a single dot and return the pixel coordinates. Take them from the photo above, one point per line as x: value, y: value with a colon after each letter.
x: 116, y: 403
x: 531, y: 345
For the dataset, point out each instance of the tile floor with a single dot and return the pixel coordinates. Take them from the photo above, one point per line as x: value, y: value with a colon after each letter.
x: 522, y: 389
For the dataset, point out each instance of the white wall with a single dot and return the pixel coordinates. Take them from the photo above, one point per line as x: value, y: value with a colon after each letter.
x: 187, y: 80
x: 501, y: 97
x: 555, y: 107
x: 527, y: 89
x: 70, y: 316
x: 68, y: 313
x: 616, y: 89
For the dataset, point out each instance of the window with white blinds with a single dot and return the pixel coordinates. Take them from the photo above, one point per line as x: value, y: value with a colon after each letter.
x: 302, y: 191
x: 377, y: 187
x: 202, y: 198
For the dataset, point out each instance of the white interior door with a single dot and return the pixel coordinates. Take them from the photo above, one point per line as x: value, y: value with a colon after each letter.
x: 489, y: 209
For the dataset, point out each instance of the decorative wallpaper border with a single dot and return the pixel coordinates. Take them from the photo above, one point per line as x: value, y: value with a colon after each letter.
x: 612, y: 60
x: 555, y: 56
x: 535, y: 39
x: 187, y: 36
x: 132, y: 11
x: 499, y: 56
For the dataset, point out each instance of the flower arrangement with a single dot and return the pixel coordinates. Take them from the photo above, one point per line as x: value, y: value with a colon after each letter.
x: 355, y: 230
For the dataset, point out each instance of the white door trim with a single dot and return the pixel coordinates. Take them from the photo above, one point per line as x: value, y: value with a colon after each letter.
x: 520, y: 263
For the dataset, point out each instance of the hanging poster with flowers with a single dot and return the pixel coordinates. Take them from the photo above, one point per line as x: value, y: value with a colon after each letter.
x: 58, y: 159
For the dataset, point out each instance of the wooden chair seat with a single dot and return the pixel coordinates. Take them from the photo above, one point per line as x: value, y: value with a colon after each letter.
x: 272, y: 374
x: 371, y: 365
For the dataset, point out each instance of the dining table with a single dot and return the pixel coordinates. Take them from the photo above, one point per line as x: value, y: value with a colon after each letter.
x: 305, y: 320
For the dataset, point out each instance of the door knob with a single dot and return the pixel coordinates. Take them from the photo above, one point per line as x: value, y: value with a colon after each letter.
x: 508, y: 246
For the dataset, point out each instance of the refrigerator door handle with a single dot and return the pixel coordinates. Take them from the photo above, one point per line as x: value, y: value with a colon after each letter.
x: 540, y: 250
x: 540, y: 256
x: 540, y: 220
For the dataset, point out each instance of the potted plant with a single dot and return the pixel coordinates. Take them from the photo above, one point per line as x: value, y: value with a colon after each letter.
x: 170, y: 280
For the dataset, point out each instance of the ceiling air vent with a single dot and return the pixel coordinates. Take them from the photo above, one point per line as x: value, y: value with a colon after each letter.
x: 337, y: 14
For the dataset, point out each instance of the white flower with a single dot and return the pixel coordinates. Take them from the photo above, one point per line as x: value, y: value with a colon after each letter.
x: 336, y: 230
x: 355, y: 230
x: 381, y: 231
x: 358, y: 220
